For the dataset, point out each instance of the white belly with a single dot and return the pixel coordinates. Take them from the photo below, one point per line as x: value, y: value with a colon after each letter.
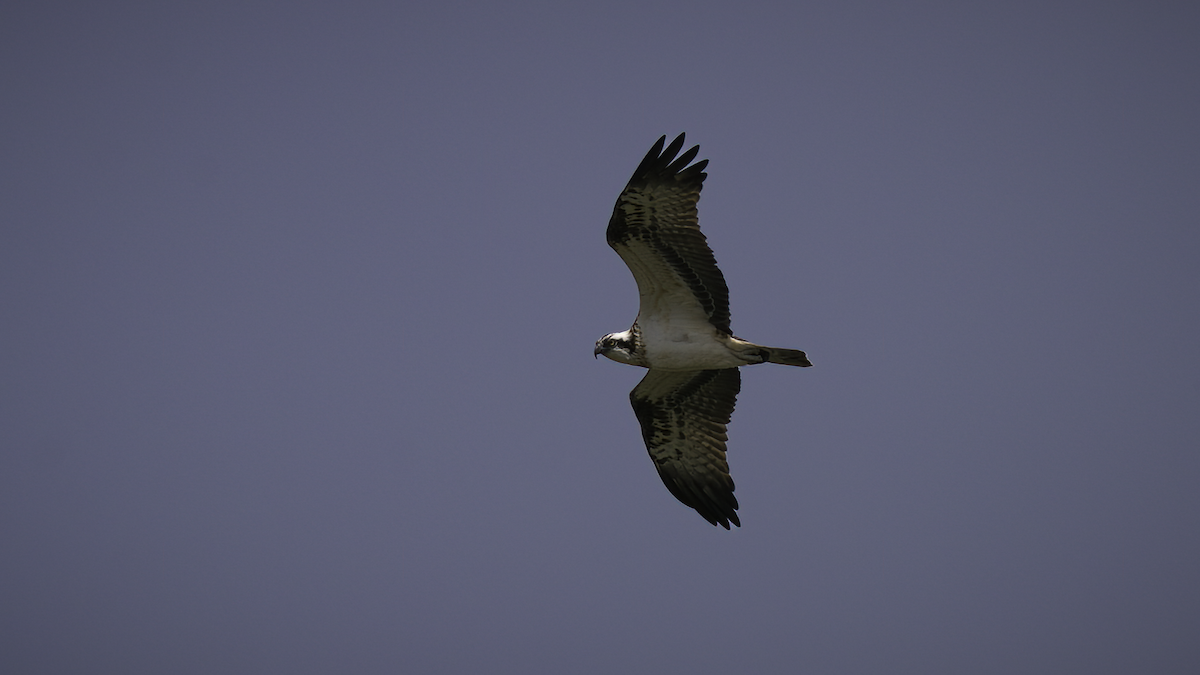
x: 697, y: 348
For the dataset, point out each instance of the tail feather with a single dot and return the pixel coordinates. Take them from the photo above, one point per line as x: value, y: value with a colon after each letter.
x: 787, y: 357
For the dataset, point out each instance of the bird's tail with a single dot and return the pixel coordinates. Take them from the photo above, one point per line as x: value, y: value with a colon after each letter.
x: 787, y: 357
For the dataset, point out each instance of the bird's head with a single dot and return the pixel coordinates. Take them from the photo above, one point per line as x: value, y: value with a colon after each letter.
x: 617, y: 346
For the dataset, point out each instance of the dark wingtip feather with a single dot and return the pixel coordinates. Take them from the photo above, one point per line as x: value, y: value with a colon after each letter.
x: 650, y: 159
x: 678, y: 165
x: 717, y: 509
x: 673, y: 148
x: 660, y: 162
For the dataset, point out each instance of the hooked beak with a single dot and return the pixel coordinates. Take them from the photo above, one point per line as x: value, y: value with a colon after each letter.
x: 596, y: 354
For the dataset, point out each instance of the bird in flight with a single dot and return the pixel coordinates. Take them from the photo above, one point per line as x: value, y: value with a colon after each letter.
x: 681, y: 333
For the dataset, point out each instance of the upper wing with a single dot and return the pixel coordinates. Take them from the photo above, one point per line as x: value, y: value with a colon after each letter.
x: 683, y: 416
x: 654, y: 229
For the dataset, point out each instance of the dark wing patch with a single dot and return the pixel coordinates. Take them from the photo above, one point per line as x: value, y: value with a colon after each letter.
x: 683, y: 416
x: 657, y: 211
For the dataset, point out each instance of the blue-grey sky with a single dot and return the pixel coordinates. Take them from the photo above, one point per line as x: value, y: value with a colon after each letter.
x: 297, y: 306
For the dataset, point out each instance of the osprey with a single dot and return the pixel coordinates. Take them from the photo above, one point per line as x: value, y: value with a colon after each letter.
x: 681, y: 333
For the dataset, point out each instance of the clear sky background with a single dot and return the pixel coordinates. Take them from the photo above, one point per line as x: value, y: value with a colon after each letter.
x: 298, y: 300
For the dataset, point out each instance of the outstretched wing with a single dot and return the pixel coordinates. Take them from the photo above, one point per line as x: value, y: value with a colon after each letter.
x: 683, y: 416
x: 654, y: 228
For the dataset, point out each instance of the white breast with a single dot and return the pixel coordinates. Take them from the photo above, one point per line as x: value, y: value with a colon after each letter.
x: 685, y: 345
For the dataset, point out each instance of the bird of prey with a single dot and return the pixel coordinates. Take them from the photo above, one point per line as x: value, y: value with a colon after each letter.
x: 681, y: 333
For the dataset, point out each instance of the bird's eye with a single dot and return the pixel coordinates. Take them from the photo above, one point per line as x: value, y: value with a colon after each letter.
x: 608, y: 343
